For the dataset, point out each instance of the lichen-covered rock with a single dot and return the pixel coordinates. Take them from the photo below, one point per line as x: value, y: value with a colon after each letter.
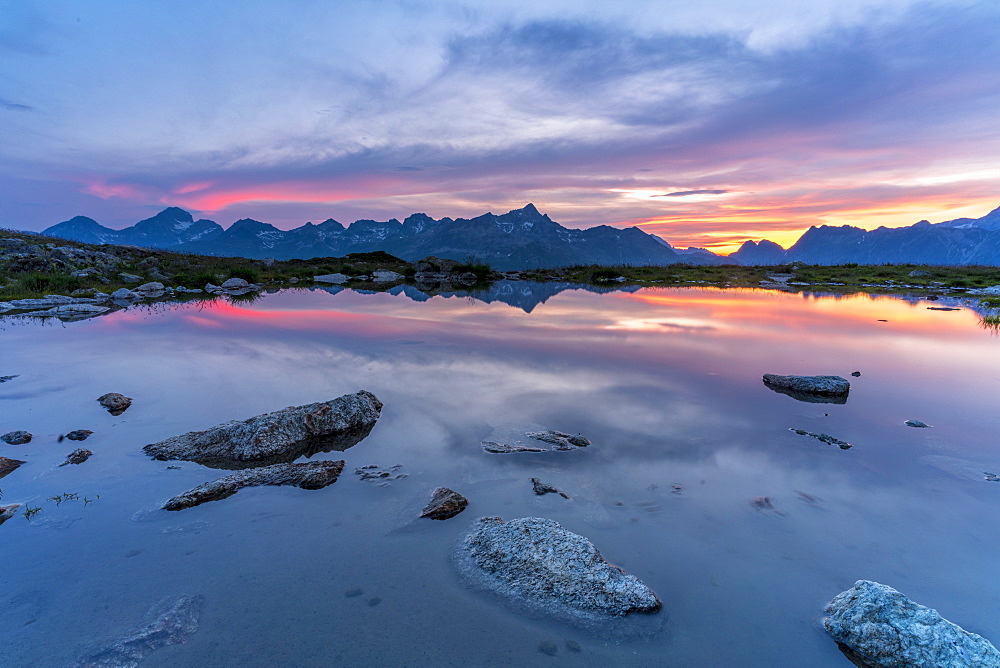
x: 876, y: 625
x: 537, y: 564
x: 8, y: 465
x: 19, y: 437
x: 281, y: 436
x: 310, y: 475
x: 114, y: 402
x: 813, y: 389
x: 444, y: 504
x: 78, y: 456
x: 170, y: 622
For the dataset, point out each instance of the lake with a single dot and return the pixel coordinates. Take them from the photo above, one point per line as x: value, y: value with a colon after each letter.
x: 686, y: 444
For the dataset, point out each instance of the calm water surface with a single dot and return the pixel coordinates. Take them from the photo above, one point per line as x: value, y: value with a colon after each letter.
x: 665, y: 383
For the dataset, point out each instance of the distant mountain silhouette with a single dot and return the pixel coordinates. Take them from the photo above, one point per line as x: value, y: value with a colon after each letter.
x: 520, y: 239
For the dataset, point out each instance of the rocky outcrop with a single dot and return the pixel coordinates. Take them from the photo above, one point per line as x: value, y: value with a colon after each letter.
x: 115, y: 403
x: 281, y: 436
x: 78, y: 456
x: 444, y: 504
x: 531, y: 438
x: 170, y: 622
x: 536, y: 564
x: 8, y: 465
x: 310, y: 475
x: 875, y: 625
x: 540, y: 488
x: 19, y: 437
x: 813, y: 389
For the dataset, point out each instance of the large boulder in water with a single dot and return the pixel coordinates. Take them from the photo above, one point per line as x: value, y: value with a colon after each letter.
x: 281, y: 436
x: 310, y: 475
x: 875, y: 625
x: 813, y: 389
x: 538, y: 565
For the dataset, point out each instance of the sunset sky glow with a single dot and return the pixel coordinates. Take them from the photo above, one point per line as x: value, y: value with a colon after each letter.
x: 707, y: 123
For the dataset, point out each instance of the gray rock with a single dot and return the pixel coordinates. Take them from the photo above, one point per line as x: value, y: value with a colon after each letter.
x: 79, y: 434
x: 114, y: 402
x: 531, y: 438
x: 19, y: 437
x: 83, y: 273
x: 7, y: 512
x: 13, y: 243
x: 917, y: 273
x: 826, y: 438
x: 310, y: 475
x: 125, y: 294
x: 331, y: 278
x: 8, y: 465
x: 170, y: 622
x: 235, y: 284
x: 386, y: 276
x: 78, y: 456
x: 4, y: 379
x: 149, y: 287
x: 281, y: 436
x: 875, y: 625
x: 444, y: 504
x: 813, y: 389
x: 129, y: 278
x: 537, y: 564
x: 541, y: 488
x: 916, y: 423
x: 210, y: 287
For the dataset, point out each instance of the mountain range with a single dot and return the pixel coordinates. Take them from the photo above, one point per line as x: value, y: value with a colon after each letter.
x: 525, y: 239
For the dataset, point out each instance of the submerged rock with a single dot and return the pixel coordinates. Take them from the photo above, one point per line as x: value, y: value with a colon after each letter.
x: 813, y: 389
x: 537, y: 564
x: 826, y: 438
x: 169, y: 622
x: 78, y: 456
x: 79, y: 434
x: 281, y: 436
x: 8, y: 465
x: 310, y: 475
x: 541, y: 488
x: 114, y: 402
x: 916, y: 423
x: 875, y: 625
x: 373, y: 472
x: 4, y: 379
x: 444, y: 504
x: 19, y: 437
x: 531, y: 438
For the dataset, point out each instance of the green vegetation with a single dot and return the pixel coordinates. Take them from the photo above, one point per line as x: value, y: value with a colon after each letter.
x: 30, y: 512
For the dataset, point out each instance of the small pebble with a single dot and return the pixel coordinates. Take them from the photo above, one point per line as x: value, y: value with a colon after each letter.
x: 548, y: 647
x: 351, y: 593
x: 916, y: 423
x: 856, y: 374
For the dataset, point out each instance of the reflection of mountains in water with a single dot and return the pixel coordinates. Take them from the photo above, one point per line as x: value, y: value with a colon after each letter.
x: 525, y: 295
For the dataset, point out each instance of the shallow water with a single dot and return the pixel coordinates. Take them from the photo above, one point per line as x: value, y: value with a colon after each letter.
x: 666, y: 383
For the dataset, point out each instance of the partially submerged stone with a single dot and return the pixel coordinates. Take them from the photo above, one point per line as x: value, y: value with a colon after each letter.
x: 78, y: 456
x: 8, y: 511
x: 79, y: 434
x: 531, y: 438
x: 19, y: 437
x: 536, y: 564
x: 115, y: 403
x: 336, y: 279
x: 309, y: 475
x: 170, y: 622
x: 916, y: 423
x: 826, y: 438
x: 875, y: 625
x: 281, y: 436
x: 541, y: 488
x: 444, y: 504
x: 813, y: 389
x: 8, y: 465
x: 4, y: 379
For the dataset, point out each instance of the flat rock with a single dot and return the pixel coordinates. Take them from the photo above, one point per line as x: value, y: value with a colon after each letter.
x: 531, y: 438
x: 538, y: 565
x: 78, y: 456
x: 8, y: 465
x: 331, y: 278
x: 170, y: 622
x: 309, y: 475
x: 916, y: 423
x: 19, y: 437
x: 154, y: 286
x: 281, y: 436
x: 114, y: 402
x: 813, y: 389
x: 875, y: 625
x: 79, y: 434
x: 235, y: 284
x: 444, y: 504
x: 826, y: 438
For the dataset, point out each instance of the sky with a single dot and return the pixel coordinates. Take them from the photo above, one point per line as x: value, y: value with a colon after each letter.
x: 707, y: 122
